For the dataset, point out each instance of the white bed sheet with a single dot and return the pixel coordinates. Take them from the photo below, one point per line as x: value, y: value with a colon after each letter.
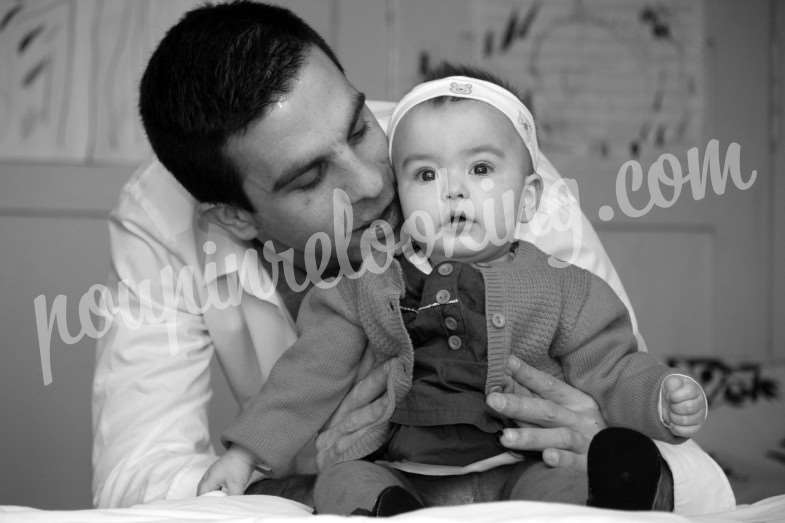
x: 267, y: 509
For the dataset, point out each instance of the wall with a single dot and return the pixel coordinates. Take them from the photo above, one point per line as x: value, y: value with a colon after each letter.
x: 713, y: 259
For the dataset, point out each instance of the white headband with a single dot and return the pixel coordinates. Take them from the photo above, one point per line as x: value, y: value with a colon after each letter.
x: 473, y: 89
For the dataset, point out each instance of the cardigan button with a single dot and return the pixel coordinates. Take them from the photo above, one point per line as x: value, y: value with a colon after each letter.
x: 498, y: 320
x: 445, y: 269
x: 451, y: 323
x: 443, y: 296
x: 454, y: 342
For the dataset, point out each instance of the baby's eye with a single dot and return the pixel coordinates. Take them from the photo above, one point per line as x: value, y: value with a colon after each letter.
x: 481, y: 169
x: 425, y: 175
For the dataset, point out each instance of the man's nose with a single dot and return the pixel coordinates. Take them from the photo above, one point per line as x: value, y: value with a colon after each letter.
x: 367, y: 179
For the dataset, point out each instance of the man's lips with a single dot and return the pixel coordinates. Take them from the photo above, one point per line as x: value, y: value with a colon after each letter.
x: 390, y: 214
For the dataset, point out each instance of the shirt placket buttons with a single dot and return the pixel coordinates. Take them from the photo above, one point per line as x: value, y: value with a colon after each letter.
x: 443, y: 296
x: 445, y: 269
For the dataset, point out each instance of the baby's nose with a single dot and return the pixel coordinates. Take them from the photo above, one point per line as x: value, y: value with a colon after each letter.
x: 455, y: 188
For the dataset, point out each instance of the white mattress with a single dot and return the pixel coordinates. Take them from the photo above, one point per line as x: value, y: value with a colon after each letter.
x: 271, y: 510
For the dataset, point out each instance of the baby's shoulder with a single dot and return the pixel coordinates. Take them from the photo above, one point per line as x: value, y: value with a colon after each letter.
x: 531, y: 259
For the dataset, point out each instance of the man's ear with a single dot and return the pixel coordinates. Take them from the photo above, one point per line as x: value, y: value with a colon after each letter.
x: 530, y: 197
x: 237, y: 222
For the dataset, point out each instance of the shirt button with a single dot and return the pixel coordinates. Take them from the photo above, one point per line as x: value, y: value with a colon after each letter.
x: 498, y: 320
x: 445, y: 269
x: 454, y: 342
x: 443, y: 296
x: 451, y: 323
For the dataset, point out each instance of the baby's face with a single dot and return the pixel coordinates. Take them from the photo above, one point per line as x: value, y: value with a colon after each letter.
x: 461, y: 169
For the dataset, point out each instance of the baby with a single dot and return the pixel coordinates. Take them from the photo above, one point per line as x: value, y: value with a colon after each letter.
x: 462, y: 298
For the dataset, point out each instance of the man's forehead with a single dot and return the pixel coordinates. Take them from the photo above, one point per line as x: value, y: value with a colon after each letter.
x: 302, y: 125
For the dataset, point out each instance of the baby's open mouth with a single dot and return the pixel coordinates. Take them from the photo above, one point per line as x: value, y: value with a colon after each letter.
x: 458, y: 218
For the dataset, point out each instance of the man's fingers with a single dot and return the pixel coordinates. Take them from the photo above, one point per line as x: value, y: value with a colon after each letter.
x: 341, y: 436
x: 541, y: 439
x: 545, y: 385
x: 513, y: 387
x: 371, y: 386
x: 363, y: 393
x: 564, y: 459
x: 532, y: 410
x: 361, y: 417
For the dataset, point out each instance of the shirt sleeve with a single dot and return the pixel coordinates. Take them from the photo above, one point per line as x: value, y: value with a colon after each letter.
x: 151, y: 384
x: 561, y: 230
x: 306, y: 385
x: 600, y: 357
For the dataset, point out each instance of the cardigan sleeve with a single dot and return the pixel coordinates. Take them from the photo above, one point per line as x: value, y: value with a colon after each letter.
x: 600, y: 356
x: 306, y: 384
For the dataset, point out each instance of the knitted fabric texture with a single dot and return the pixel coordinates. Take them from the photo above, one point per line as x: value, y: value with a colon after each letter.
x: 562, y: 320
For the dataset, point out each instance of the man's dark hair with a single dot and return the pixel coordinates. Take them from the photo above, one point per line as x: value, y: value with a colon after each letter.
x: 214, y: 73
x: 447, y: 69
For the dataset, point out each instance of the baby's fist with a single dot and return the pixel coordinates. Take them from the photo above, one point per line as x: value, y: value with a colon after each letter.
x: 230, y: 473
x: 683, y: 405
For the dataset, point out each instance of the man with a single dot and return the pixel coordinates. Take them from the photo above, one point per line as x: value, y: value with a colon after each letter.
x: 258, y: 128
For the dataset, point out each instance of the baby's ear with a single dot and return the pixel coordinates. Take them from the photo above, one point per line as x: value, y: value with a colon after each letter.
x: 237, y: 222
x: 530, y: 197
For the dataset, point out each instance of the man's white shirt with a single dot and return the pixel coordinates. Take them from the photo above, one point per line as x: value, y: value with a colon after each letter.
x: 152, y: 380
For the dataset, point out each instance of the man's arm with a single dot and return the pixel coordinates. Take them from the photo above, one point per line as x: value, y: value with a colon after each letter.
x: 150, y: 430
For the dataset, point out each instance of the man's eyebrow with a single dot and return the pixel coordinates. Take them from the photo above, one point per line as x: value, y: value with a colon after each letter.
x: 301, y: 168
x: 359, y: 105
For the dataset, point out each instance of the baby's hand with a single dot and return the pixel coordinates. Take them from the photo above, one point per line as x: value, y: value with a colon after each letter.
x: 230, y: 473
x: 683, y: 405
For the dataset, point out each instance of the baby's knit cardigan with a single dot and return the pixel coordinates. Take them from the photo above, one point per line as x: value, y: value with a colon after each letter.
x: 560, y: 319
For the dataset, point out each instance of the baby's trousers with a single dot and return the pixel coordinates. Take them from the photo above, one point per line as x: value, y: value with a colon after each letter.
x: 347, y: 486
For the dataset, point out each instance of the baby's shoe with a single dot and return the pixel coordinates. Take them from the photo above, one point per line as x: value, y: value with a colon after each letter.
x: 392, y: 501
x: 627, y: 472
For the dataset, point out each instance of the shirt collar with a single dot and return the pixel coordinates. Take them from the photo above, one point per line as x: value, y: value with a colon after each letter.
x: 416, y: 258
x: 224, y: 256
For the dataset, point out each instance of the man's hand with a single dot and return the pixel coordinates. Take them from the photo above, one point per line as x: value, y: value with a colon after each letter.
x: 364, y: 405
x: 683, y: 405
x: 230, y: 473
x: 565, y: 418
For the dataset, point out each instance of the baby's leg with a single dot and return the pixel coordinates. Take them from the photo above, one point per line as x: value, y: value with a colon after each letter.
x: 535, y: 481
x: 346, y: 487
